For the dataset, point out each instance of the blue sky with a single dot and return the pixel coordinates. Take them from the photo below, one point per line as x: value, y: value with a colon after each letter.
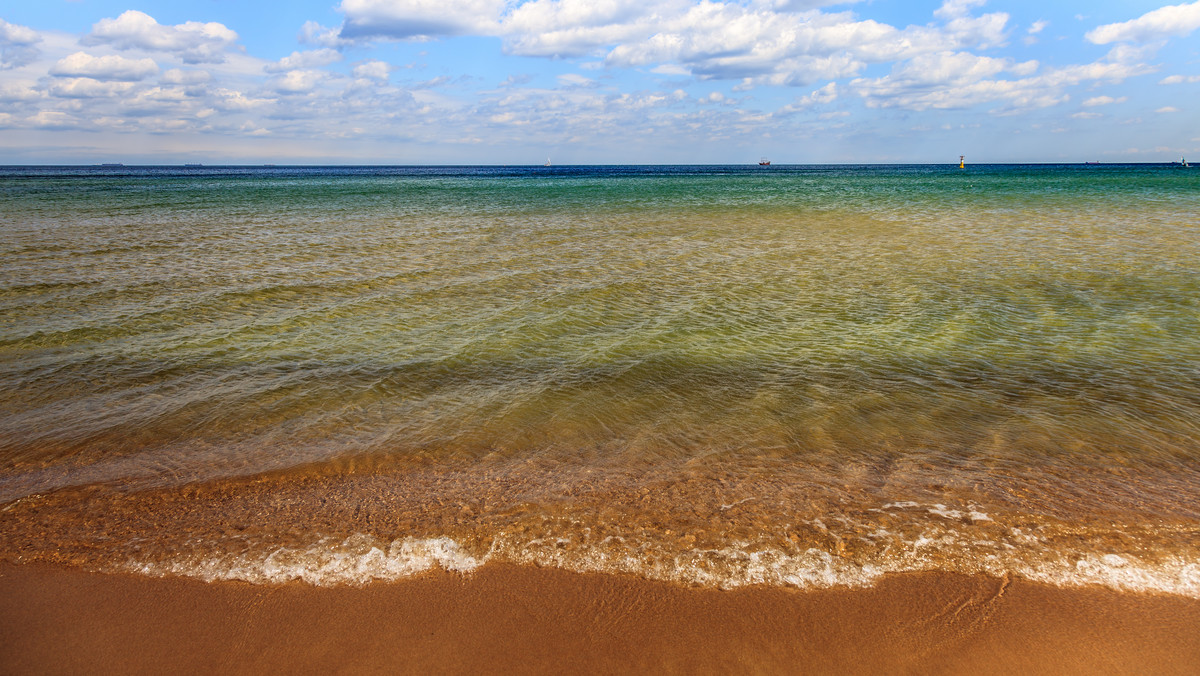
x: 597, y: 81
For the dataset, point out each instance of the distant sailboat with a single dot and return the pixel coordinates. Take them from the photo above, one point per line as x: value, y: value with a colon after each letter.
x: 1183, y: 162
x: 547, y: 162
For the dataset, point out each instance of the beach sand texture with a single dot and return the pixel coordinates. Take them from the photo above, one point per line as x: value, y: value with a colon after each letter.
x: 510, y: 619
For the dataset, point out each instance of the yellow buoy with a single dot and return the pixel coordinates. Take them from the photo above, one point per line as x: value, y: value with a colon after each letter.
x: 961, y: 165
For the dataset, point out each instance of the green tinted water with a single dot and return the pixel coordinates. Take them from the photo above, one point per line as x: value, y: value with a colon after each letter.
x: 999, y: 326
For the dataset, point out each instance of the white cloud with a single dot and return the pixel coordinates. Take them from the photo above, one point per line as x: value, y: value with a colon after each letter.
x: 581, y: 27
x: 1086, y: 116
x: 575, y: 80
x: 313, y: 33
x: 373, y: 70
x: 314, y: 58
x: 418, y: 19
x: 1179, y: 79
x: 14, y: 93
x: 824, y: 95
x: 87, y: 88
x: 951, y: 9
x: 112, y: 67
x: 1172, y: 20
x: 1103, y: 101
x: 233, y: 100
x: 955, y: 81
x: 189, y: 76
x: 1038, y: 26
x: 17, y: 45
x: 720, y: 41
x: 193, y: 41
x: 53, y: 119
x: 14, y: 34
x: 1167, y: 109
x: 759, y: 42
x: 671, y: 69
x: 297, y: 81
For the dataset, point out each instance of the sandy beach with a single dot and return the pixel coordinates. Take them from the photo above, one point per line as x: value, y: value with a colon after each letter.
x: 508, y: 619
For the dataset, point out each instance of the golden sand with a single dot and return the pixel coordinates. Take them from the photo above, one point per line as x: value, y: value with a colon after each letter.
x: 509, y: 619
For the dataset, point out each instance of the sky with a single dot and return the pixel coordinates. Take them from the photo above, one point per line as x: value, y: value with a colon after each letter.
x: 597, y: 81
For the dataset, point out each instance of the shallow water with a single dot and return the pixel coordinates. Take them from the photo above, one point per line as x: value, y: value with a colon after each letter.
x: 716, y: 375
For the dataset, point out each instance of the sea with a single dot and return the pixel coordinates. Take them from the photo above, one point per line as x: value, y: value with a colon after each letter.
x: 719, y: 376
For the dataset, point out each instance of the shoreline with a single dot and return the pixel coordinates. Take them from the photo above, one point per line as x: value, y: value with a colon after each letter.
x: 507, y: 618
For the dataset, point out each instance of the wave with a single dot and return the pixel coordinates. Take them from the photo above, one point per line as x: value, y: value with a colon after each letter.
x: 363, y: 559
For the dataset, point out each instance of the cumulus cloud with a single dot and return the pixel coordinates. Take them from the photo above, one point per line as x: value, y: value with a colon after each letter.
x: 193, y: 41
x: 373, y: 70
x: 579, y: 27
x: 53, y: 119
x: 418, y: 19
x: 1167, y: 109
x: 232, y: 100
x: 17, y: 45
x: 315, y: 58
x: 824, y: 95
x: 16, y: 93
x: 759, y: 42
x: 1179, y: 79
x: 87, y: 88
x: 960, y: 80
x: 112, y: 67
x: 14, y: 34
x: 313, y: 33
x: 1103, y: 101
x: 1031, y: 34
x: 189, y: 76
x: 297, y: 81
x: 955, y: 8
x: 1164, y: 22
x: 575, y: 80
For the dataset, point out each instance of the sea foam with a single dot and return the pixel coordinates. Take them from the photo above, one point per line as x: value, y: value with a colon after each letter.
x: 361, y: 559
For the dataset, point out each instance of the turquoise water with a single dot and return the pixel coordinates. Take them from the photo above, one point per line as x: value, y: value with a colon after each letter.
x: 718, y: 375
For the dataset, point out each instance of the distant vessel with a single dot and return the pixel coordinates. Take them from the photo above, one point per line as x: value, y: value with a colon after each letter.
x: 1091, y: 163
x: 764, y: 162
x: 112, y: 164
x: 1183, y: 162
x: 193, y: 164
x: 547, y: 162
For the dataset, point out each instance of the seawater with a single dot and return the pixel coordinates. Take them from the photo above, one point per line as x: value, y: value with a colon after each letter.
x: 804, y: 376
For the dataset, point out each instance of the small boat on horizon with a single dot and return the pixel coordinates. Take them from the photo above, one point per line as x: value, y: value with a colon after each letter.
x: 547, y: 162
x: 764, y: 162
x: 1183, y: 162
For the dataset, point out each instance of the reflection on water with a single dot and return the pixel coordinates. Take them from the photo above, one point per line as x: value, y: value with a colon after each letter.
x: 610, y: 368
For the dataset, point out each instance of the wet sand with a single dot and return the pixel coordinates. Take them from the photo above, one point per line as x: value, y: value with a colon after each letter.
x: 510, y: 619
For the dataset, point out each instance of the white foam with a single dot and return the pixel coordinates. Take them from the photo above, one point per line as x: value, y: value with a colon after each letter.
x: 360, y: 559
x: 1172, y: 576
x: 356, y: 560
x: 956, y: 514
